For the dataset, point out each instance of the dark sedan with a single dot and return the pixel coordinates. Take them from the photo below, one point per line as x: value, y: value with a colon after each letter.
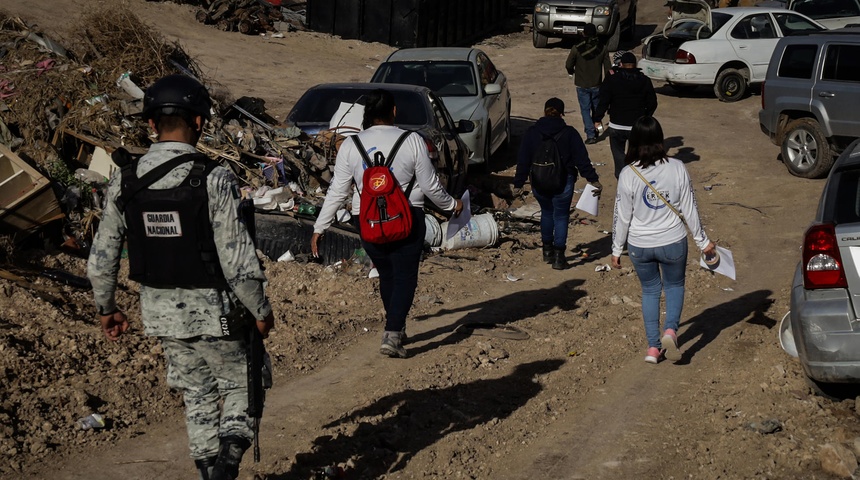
x: 418, y: 109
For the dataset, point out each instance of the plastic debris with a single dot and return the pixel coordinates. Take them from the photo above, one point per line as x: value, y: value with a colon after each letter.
x: 602, y: 268
x: 512, y: 278
x: 94, y: 421
x: 287, y: 257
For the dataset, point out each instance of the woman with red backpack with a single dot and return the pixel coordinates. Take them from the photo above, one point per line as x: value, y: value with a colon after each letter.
x: 413, y: 173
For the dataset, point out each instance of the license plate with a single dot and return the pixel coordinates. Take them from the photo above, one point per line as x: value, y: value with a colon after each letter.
x: 568, y: 29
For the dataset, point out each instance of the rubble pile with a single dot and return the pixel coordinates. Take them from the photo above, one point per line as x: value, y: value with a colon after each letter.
x: 61, y: 107
x: 251, y: 16
x: 48, y: 88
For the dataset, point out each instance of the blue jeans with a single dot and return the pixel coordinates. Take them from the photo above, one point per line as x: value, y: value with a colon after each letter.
x: 670, y: 263
x: 397, y: 264
x: 587, y: 105
x: 555, y: 214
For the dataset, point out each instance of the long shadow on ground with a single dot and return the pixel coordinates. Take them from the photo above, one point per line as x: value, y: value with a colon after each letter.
x: 707, y: 325
x: 384, y: 436
x: 499, y: 311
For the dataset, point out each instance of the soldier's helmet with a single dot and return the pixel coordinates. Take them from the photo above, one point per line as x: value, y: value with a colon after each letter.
x: 174, y: 93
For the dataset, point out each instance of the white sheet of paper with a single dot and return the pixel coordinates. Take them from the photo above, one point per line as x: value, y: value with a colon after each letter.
x: 725, y: 267
x: 460, y: 221
x: 587, y: 201
x: 347, y: 114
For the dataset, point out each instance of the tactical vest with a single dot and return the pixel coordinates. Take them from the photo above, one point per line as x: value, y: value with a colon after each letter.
x: 170, y: 238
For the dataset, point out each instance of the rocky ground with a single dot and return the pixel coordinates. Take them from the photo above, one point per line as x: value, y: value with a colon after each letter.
x: 573, y: 400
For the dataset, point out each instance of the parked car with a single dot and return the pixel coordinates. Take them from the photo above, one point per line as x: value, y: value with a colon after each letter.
x: 727, y: 48
x: 809, y: 99
x: 418, y: 109
x: 823, y: 327
x: 469, y: 84
x: 567, y: 18
x: 830, y: 13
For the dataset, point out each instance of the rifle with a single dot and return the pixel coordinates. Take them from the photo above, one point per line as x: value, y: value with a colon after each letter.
x: 259, y: 364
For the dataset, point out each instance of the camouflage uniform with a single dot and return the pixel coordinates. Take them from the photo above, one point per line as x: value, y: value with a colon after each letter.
x: 202, y: 364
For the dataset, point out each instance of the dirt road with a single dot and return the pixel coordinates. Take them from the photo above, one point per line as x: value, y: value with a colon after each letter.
x: 575, y: 400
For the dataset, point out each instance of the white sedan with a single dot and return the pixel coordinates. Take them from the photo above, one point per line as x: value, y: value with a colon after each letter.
x: 728, y: 48
x: 468, y: 83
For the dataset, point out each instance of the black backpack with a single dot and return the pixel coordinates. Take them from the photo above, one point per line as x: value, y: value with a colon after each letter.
x: 548, y: 175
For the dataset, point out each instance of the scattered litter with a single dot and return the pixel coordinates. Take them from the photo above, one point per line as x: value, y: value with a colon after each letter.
x: 598, y: 164
x: 287, y: 257
x: 374, y: 273
x: 728, y: 289
x: 572, y: 353
x: 512, y: 278
x: 602, y: 268
x: 94, y: 421
x: 605, y: 232
x: 278, y: 35
x: 766, y: 427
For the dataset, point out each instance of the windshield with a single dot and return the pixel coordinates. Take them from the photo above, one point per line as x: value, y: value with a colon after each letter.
x: 447, y: 79
x: 822, y: 9
x: 320, y: 104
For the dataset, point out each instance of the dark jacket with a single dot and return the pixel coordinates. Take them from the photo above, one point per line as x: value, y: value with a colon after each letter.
x: 627, y: 94
x: 588, y: 61
x: 572, y: 151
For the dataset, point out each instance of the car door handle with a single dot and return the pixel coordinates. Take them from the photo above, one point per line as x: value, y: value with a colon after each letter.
x: 826, y: 94
x: 743, y: 47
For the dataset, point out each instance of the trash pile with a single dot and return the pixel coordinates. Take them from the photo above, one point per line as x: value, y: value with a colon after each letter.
x: 65, y: 109
x: 251, y: 16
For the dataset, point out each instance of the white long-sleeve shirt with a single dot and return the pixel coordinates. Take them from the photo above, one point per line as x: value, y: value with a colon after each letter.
x: 643, y: 220
x: 410, y: 161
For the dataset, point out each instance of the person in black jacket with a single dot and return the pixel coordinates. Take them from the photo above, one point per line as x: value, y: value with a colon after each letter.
x: 555, y: 209
x: 627, y: 95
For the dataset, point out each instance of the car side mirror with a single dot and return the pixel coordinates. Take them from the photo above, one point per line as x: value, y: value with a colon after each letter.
x: 493, y: 89
x: 465, y: 126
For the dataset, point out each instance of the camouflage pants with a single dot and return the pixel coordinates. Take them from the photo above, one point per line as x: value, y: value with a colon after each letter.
x: 212, y: 374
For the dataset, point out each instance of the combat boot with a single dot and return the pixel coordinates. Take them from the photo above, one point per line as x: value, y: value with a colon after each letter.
x: 229, y: 456
x: 559, y: 262
x: 204, y: 466
x: 548, y: 254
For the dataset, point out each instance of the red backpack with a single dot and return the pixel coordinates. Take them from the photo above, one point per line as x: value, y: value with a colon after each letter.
x: 385, y: 214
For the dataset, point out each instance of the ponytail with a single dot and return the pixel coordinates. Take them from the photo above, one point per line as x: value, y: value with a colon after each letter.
x: 378, y: 108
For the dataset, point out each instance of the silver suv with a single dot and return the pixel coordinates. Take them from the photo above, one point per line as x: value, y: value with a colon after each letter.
x: 823, y: 327
x: 810, y: 98
x: 566, y: 18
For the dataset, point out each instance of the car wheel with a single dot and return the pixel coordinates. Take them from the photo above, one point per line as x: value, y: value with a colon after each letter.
x: 615, y: 39
x: 731, y: 85
x: 538, y: 39
x: 805, y: 150
x: 507, y: 142
x: 485, y: 166
x: 630, y: 33
x: 833, y: 391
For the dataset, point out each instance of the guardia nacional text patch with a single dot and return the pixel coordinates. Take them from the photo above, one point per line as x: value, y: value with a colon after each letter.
x: 162, y: 224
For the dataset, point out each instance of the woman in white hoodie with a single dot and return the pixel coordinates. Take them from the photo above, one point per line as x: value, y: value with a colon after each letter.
x: 654, y: 207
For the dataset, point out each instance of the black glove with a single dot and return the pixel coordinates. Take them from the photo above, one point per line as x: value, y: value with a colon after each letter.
x: 597, y: 188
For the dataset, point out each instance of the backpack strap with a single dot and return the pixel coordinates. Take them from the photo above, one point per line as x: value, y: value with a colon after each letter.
x: 361, y: 150
x: 393, y: 152
x: 379, y: 157
x: 132, y: 185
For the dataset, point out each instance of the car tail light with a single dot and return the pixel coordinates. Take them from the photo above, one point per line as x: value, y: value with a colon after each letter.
x: 683, y: 56
x: 432, y: 151
x: 822, y: 263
